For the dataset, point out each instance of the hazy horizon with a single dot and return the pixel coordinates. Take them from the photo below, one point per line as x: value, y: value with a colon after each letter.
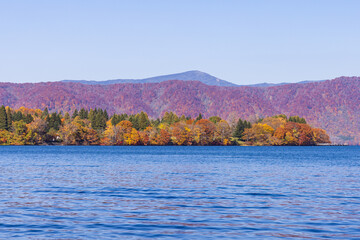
x: 149, y: 77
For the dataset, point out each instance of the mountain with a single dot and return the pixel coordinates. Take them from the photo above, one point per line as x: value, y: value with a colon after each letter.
x: 332, y: 105
x: 185, y: 76
x: 279, y: 84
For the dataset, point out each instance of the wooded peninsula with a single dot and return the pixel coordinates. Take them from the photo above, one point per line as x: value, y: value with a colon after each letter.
x: 26, y: 126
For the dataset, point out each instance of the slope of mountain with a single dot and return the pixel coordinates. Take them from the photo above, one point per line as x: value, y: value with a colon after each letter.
x: 332, y: 105
x: 185, y: 76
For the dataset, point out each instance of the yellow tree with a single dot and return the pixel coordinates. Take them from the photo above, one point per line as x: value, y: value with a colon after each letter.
x: 159, y: 137
x: 274, y: 122
x: 110, y: 136
x: 20, y: 133
x: 132, y: 137
x: 222, y: 133
x: 37, y: 129
x: 90, y: 136
x: 181, y: 134
x: 78, y: 132
x: 5, y: 137
x: 259, y: 134
x: 204, y: 132
x: 115, y: 135
x: 69, y: 133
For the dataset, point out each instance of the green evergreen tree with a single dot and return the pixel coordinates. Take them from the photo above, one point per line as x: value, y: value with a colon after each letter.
x: 58, y: 121
x: 95, y: 120
x: 101, y: 112
x: 247, y: 124
x: 297, y: 119
x: 134, y: 120
x: 240, y: 128
x: 280, y: 116
x: 28, y: 118
x: 9, y: 118
x: 123, y: 117
x: 45, y: 113
x: 166, y: 118
x: 170, y: 118
x: 17, y: 116
x: 198, y: 117
x: 102, y: 122
x: 175, y: 118
x: 75, y: 114
x: 98, y: 119
x: 83, y: 114
x: 91, y: 115
x: 114, y: 120
x: 106, y: 115
x: 155, y: 123
x: 67, y: 116
x: 215, y: 119
x: 3, y: 118
x: 54, y: 121
x: 182, y: 118
x: 143, y: 121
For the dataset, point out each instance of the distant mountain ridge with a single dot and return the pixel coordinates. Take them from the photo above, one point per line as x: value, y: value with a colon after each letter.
x: 184, y: 76
x: 279, y: 84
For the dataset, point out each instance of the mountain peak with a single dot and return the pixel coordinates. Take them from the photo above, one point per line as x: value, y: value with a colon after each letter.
x: 193, y: 75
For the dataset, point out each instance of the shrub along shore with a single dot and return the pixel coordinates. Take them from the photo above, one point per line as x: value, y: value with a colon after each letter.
x: 26, y: 126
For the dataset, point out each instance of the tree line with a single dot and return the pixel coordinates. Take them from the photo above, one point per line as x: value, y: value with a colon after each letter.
x: 26, y: 126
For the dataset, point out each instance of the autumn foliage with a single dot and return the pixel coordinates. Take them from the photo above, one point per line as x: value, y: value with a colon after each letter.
x: 95, y: 127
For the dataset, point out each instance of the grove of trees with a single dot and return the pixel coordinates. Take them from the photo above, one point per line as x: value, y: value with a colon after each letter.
x: 26, y: 126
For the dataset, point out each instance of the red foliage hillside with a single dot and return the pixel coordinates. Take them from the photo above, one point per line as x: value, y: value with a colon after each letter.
x: 332, y: 105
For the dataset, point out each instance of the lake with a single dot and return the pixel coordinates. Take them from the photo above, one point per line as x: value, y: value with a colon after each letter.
x: 58, y: 192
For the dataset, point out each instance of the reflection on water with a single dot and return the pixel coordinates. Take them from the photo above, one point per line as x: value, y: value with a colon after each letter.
x: 180, y: 192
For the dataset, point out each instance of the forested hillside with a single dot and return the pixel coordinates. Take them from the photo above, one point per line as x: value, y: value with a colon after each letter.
x: 332, y: 105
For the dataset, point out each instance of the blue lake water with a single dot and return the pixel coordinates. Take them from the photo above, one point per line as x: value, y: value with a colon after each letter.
x: 56, y: 192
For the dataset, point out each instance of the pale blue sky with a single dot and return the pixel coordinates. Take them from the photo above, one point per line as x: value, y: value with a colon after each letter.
x: 240, y: 41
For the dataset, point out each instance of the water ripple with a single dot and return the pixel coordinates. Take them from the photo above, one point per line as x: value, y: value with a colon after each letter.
x: 179, y: 192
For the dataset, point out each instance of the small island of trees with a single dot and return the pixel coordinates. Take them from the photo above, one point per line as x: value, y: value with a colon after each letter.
x: 26, y: 126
